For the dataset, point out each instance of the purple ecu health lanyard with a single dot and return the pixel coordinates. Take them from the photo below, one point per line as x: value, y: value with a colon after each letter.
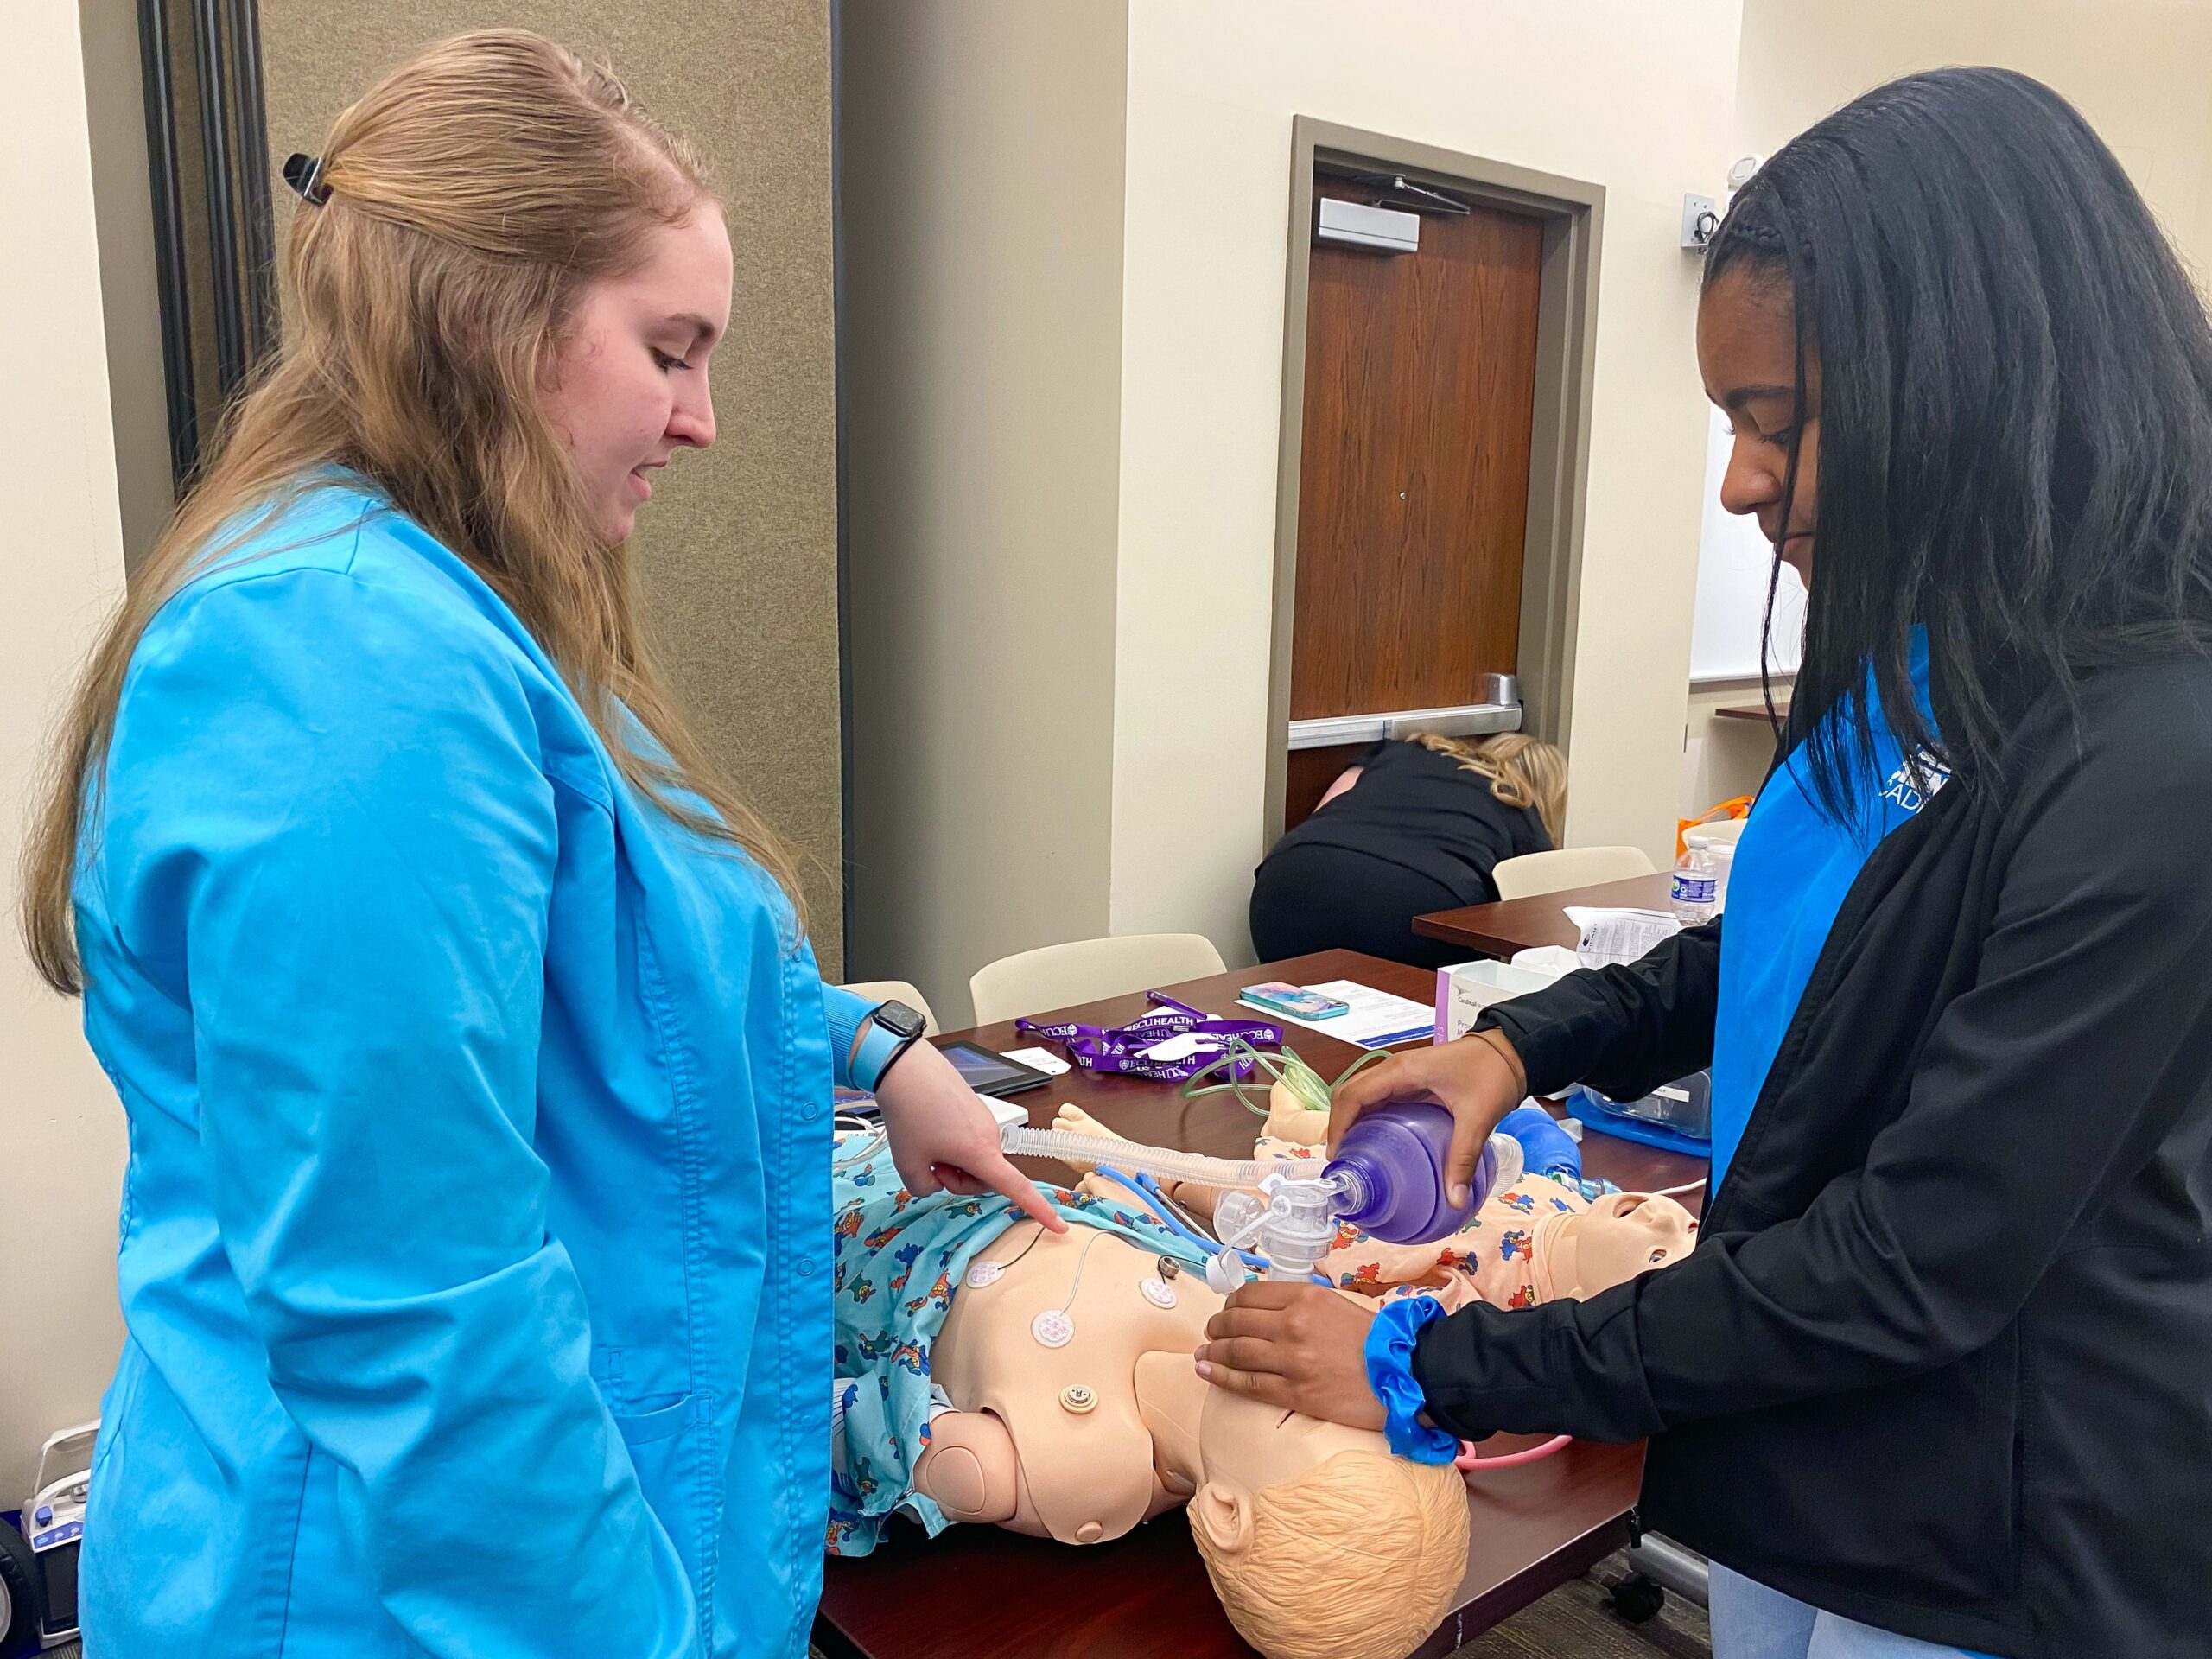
x: 1121, y: 1048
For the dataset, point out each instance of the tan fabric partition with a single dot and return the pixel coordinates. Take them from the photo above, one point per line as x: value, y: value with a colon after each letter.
x: 739, y: 551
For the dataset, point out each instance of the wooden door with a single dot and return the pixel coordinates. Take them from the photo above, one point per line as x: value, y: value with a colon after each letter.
x: 1413, y: 500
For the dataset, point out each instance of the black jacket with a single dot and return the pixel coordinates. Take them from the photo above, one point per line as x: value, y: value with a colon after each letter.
x: 1941, y: 1362
x: 1426, y: 812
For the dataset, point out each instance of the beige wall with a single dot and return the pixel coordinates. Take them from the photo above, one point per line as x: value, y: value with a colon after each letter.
x: 1628, y: 94
x: 983, y: 158
x: 2136, y: 68
x: 1066, y: 276
x: 1723, y: 759
x: 739, y: 551
x: 60, y: 1176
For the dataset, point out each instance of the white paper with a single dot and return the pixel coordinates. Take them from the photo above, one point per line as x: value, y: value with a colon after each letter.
x: 1183, y: 1046
x: 1614, y: 936
x: 1375, y: 1018
x: 1042, y: 1059
x: 1553, y: 961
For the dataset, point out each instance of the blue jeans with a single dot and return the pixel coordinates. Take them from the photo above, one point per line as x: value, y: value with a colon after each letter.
x: 1752, y: 1622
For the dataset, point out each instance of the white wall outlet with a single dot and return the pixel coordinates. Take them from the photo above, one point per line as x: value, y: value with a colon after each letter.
x: 1700, y: 218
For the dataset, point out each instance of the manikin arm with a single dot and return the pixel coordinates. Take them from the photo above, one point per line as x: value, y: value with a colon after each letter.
x: 970, y: 1470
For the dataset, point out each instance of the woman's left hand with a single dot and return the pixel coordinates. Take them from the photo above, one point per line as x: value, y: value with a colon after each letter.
x: 942, y: 1135
x: 1302, y: 1347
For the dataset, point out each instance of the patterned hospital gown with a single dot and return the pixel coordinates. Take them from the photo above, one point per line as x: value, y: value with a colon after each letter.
x: 895, y: 1261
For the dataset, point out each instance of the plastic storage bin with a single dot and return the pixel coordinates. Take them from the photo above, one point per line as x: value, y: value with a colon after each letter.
x: 1677, y: 1115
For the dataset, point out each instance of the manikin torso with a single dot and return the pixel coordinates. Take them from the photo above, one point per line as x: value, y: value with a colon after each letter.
x: 1108, y: 1420
x: 1081, y: 1439
x: 1113, y: 1421
x: 1078, y: 1412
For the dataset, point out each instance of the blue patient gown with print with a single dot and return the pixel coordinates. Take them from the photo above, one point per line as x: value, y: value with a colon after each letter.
x: 897, y: 1259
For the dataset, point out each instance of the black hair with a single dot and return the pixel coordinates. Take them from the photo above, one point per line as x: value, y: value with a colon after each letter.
x: 2016, y: 414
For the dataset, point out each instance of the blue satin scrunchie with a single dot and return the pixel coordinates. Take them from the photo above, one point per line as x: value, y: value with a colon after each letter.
x: 1390, y: 1373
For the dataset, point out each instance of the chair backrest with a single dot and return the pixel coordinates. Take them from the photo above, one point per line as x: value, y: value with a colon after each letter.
x: 1570, y: 867
x: 1727, y: 830
x: 1085, y: 970
x: 897, y: 990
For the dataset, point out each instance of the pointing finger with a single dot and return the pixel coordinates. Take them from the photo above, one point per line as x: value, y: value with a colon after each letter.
x: 992, y: 1170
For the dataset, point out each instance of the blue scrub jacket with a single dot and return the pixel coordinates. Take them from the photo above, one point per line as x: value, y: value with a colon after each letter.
x: 475, y: 1238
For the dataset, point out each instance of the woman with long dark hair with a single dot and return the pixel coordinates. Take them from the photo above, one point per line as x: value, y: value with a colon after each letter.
x: 1937, y: 1376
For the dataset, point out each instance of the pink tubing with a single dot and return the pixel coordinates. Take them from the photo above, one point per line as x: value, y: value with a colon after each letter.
x: 1467, y: 1459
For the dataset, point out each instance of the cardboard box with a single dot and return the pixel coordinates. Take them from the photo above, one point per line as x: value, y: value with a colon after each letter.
x: 1464, y: 990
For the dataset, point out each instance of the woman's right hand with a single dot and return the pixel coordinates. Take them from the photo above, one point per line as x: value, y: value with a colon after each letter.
x: 1478, y: 1079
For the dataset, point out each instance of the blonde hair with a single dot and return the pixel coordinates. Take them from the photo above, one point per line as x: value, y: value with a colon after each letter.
x: 1357, y: 1558
x: 1523, y: 771
x: 476, y: 192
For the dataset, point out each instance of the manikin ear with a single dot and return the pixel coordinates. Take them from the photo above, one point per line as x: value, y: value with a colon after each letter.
x: 1224, y: 1516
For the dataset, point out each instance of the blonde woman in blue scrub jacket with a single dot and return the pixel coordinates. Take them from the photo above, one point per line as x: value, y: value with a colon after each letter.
x: 475, y: 1235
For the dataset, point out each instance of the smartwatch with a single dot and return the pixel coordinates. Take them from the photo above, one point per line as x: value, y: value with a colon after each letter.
x: 889, y: 1031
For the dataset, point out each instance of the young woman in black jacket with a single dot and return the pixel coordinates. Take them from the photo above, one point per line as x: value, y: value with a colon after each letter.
x: 1939, y: 1375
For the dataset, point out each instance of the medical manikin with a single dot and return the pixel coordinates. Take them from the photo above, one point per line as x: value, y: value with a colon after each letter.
x: 990, y: 1371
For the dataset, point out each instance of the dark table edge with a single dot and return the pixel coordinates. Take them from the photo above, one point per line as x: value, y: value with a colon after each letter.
x: 1460, y: 1626
x: 1442, y: 924
x: 1429, y: 927
x: 1570, y: 1560
x: 833, y: 1641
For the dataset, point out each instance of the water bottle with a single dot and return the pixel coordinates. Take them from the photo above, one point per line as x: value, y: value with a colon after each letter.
x: 1390, y: 1172
x: 1697, y: 884
x: 1723, y: 855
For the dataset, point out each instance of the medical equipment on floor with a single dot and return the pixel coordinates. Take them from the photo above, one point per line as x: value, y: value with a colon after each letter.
x: 1388, y: 1180
x: 38, y: 1566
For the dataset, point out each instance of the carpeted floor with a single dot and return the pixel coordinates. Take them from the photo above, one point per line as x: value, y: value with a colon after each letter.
x: 1576, y: 1621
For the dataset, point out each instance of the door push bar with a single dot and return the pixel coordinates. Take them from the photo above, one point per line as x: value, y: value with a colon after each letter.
x: 1499, y: 711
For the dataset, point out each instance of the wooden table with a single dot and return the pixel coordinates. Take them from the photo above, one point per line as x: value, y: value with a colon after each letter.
x: 1753, y: 711
x: 1515, y: 925
x: 979, y: 1591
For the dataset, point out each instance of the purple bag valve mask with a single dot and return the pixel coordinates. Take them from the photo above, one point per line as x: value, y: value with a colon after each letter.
x: 1390, y: 1172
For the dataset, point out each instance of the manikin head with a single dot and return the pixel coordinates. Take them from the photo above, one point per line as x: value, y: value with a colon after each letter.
x: 1319, y: 1541
x: 1619, y: 1235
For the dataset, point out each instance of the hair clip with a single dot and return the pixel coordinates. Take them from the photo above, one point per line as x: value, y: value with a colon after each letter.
x: 304, y: 174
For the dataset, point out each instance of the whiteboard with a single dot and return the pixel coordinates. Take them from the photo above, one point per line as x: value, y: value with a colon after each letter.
x: 1734, y: 562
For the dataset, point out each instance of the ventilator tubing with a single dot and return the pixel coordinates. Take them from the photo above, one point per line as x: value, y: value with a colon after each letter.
x: 1079, y: 1146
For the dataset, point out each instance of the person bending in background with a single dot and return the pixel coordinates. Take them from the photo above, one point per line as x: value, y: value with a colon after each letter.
x: 1417, y: 825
